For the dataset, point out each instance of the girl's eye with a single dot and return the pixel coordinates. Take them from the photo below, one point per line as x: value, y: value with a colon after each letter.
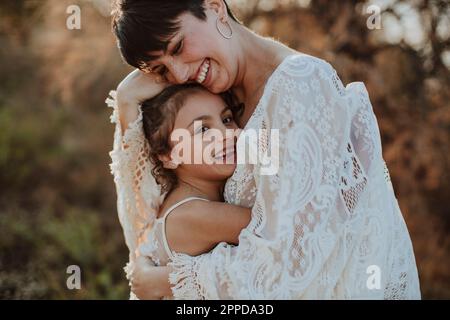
x: 203, y: 129
x: 228, y: 120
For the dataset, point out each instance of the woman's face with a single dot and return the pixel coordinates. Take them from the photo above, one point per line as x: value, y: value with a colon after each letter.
x: 198, y: 53
x: 207, y: 124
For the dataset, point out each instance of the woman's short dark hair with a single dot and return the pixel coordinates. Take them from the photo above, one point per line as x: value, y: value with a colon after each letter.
x: 142, y: 26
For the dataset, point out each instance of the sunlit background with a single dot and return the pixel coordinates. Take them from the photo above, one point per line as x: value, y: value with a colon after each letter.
x: 57, y: 197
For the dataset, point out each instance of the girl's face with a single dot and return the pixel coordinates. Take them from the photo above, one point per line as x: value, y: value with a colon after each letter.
x: 198, y: 53
x: 207, y: 149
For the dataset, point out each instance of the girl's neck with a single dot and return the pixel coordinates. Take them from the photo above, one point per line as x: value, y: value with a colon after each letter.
x: 211, y: 190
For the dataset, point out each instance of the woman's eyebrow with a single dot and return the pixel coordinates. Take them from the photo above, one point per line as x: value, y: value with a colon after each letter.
x: 165, y: 48
x: 167, y: 43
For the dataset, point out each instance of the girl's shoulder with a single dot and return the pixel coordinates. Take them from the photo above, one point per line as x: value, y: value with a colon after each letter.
x: 180, y: 203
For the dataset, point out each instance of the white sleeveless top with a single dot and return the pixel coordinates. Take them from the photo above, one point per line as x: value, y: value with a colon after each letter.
x: 156, y: 245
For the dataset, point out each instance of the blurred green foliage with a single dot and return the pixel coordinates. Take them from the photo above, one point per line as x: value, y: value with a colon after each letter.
x: 57, y: 200
x: 50, y: 215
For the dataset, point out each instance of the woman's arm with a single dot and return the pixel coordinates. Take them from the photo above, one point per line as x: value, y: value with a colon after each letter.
x: 135, y: 88
x: 193, y: 228
x: 148, y: 282
x: 198, y: 226
x: 298, y: 205
x: 130, y: 168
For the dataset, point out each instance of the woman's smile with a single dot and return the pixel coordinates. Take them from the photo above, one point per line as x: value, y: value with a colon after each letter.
x: 203, y: 71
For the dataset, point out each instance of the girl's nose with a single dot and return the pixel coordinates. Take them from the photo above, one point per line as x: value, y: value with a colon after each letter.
x: 229, y: 135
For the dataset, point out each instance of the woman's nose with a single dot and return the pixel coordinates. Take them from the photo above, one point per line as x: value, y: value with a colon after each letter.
x: 178, y: 71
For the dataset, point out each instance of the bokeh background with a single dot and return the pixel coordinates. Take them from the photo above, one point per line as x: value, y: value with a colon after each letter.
x: 57, y: 197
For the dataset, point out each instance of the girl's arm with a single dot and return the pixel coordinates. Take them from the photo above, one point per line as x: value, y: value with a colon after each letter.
x: 198, y: 226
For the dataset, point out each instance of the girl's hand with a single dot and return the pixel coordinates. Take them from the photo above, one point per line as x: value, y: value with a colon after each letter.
x: 133, y: 90
x: 149, y: 282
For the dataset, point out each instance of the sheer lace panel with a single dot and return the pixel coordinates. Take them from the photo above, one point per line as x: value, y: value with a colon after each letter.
x: 324, y: 219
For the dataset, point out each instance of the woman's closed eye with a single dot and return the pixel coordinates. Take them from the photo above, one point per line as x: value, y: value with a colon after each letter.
x: 177, y: 50
x: 161, y: 69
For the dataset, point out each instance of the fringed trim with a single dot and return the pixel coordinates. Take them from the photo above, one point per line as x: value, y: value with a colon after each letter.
x: 138, y: 195
x: 128, y: 270
x: 183, y: 279
x: 136, y: 203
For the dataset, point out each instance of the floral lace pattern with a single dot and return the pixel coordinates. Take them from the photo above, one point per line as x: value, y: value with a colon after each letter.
x: 318, y: 225
x: 325, y: 218
x: 138, y: 195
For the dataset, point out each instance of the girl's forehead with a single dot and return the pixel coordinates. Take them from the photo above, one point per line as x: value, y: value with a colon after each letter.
x: 204, y: 100
x: 198, y: 105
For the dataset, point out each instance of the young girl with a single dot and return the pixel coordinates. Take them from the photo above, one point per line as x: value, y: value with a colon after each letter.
x: 193, y: 217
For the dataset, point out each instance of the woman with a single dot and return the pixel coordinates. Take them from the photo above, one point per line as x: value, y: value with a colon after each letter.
x: 326, y: 225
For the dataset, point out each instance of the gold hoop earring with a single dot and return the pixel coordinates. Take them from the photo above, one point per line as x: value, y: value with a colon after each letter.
x: 220, y: 31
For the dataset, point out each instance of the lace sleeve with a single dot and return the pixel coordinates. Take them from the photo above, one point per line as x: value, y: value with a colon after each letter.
x: 324, y: 217
x: 138, y: 195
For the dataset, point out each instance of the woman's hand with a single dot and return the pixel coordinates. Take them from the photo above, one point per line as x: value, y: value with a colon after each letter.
x: 149, y: 282
x: 133, y: 90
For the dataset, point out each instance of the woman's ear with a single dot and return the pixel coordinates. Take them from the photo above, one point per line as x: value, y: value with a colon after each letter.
x: 218, y: 6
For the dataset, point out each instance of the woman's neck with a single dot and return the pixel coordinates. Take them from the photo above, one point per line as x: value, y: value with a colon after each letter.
x: 257, y: 59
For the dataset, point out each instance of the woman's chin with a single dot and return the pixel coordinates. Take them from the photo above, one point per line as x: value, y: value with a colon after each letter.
x: 224, y: 171
x: 214, y: 89
x: 217, y: 87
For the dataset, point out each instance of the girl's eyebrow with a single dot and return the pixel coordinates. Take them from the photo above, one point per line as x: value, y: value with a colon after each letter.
x: 225, y: 109
x: 205, y: 116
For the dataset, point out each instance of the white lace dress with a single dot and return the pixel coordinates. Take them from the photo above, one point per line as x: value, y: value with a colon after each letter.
x: 327, y: 225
